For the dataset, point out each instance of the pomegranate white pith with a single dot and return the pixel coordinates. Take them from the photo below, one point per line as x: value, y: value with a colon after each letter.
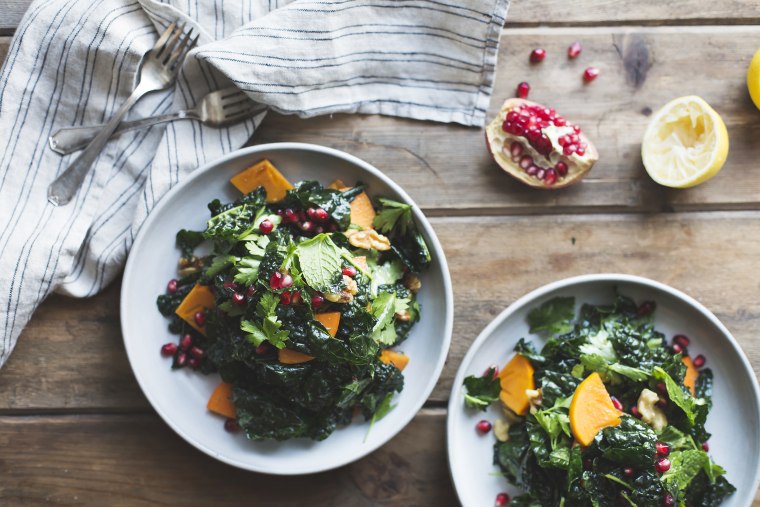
x: 538, y: 146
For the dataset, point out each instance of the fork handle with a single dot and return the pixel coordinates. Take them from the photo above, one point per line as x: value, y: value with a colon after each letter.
x: 65, y: 186
x: 70, y: 139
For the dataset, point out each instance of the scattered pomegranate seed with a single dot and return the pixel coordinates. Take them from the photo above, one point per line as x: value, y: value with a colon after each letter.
x: 296, y: 298
x: 186, y: 342
x: 290, y: 216
x: 662, y: 465
x: 275, y: 281
x: 263, y: 348
x: 699, y: 361
x: 321, y: 215
x: 522, y: 90
x: 502, y: 499
x: 301, y: 215
x: 537, y: 55
x: 286, y: 282
x: 307, y: 226
x: 197, y: 352
x: 231, y: 426
x: 483, y: 427
x: 168, y: 349
x: 285, y: 298
x: 628, y: 472
x: 180, y: 360
x: 668, y: 500
x: 574, y: 50
x: 662, y: 388
x: 317, y: 300
x: 682, y: 340
x: 561, y: 168
x: 677, y: 349
x: 230, y: 285
x: 590, y: 74
x: 645, y: 308
x: 616, y: 403
x: 705, y: 447
x: 200, y: 319
x: 662, y: 403
x: 250, y: 291
x: 494, y: 369
x: 194, y: 362
x: 238, y: 298
x: 266, y: 226
x: 349, y: 271
x: 171, y: 287
x: 662, y: 448
x: 635, y: 412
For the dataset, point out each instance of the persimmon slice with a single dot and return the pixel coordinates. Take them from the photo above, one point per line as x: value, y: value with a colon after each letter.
x: 397, y: 359
x: 515, y: 378
x: 690, y: 380
x: 262, y: 174
x: 591, y: 410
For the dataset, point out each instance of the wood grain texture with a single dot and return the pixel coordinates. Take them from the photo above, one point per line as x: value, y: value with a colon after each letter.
x: 137, y: 460
x: 5, y: 42
x: 71, y: 356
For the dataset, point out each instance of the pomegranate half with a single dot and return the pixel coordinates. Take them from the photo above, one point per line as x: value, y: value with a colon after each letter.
x: 538, y: 146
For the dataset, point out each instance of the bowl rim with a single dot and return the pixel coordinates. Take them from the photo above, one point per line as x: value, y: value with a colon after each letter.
x: 455, y: 403
x: 427, y: 230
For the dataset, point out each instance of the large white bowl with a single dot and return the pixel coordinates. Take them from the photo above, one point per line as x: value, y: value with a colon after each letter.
x: 180, y: 397
x: 734, y: 420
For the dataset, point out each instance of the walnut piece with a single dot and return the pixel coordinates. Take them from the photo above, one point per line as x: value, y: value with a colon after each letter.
x: 650, y: 412
x: 346, y: 295
x: 404, y: 316
x: 188, y: 266
x: 368, y: 239
x: 412, y: 282
x: 501, y: 430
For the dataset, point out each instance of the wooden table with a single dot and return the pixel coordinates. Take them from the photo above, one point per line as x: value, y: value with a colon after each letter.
x: 76, y: 429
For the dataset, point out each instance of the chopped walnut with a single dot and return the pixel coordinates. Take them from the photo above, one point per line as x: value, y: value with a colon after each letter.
x: 534, y: 398
x: 346, y: 295
x: 404, y: 316
x: 368, y: 239
x: 188, y: 266
x: 501, y: 430
x: 650, y: 412
x: 412, y: 282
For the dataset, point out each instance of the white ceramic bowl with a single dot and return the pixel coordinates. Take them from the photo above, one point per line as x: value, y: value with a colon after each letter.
x: 734, y: 420
x: 180, y: 397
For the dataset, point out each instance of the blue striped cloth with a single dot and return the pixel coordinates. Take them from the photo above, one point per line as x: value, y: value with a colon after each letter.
x: 73, y: 62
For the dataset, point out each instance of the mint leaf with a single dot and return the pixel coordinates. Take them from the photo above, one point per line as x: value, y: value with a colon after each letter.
x: 678, y: 394
x: 393, y: 213
x: 553, y: 317
x: 481, y: 391
x: 684, y: 466
x: 383, y: 308
x: 320, y: 262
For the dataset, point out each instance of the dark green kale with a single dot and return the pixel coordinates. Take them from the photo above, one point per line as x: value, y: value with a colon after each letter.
x: 482, y: 390
x: 308, y: 194
x: 553, y: 317
x: 187, y: 241
x: 395, y: 220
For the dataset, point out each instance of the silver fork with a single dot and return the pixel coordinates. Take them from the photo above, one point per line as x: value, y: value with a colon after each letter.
x: 157, y: 70
x: 217, y: 109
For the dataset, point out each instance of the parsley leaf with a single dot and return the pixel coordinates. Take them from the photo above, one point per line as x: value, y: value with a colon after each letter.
x: 247, y: 268
x: 481, y: 391
x: 393, y: 213
x: 554, y: 316
x: 383, y: 309
x: 320, y: 262
x: 269, y: 329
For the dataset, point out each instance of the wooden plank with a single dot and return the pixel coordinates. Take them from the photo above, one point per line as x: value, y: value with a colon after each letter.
x: 5, y: 43
x: 446, y: 168
x: 137, y: 460
x: 71, y: 356
x: 561, y: 12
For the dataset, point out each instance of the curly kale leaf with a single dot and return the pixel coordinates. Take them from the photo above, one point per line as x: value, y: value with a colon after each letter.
x: 307, y: 194
x: 553, y: 317
x: 187, y: 241
x: 255, y: 199
x: 482, y: 391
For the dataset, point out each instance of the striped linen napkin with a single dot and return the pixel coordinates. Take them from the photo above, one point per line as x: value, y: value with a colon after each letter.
x: 73, y: 63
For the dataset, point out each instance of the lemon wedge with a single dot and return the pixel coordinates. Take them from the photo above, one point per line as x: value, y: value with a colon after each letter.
x: 753, y: 79
x: 685, y: 144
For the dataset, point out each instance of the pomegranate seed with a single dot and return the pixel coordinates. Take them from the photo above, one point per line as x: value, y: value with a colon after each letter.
x: 321, y: 215
x: 231, y: 425
x: 580, y: 151
x: 699, y: 361
x: 515, y: 149
x: 307, y: 226
x: 301, y: 215
x: 180, y: 360
x: 550, y: 177
x: 349, y: 271
x: 590, y: 74
x: 533, y: 170
x: 238, y: 298
x: 574, y: 50
x: 526, y: 161
x: 616, y: 403
x: 560, y: 121
x: 682, y: 340
x: 319, y: 230
x: 668, y: 500
x: 275, y: 281
x: 662, y: 465
x: 645, y: 308
x: 628, y: 472
x: 285, y: 298
x: 171, y: 287
x: 197, y: 352
x: 662, y: 388
x: 577, y: 129
x: 317, y: 300
x: 286, y: 282
x: 250, y: 291
x: 676, y: 348
x: 563, y: 141
x: 569, y: 149
x: 561, y: 168
x: 705, y: 447
x: 495, y: 370
x: 635, y: 412
x: 194, y: 362
x: 296, y: 298
x: 483, y: 427
x: 168, y: 349
x: 662, y: 403
x: 266, y: 226
x: 537, y: 55
x: 540, y: 173
x: 263, y: 348
x: 290, y: 216
x: 502, y: 499
x: 522, y: 90
x: 230, y: 285
x: 310, y: 213
x: 186, y: 342
x: 200, y: 319
x: 662, y: 448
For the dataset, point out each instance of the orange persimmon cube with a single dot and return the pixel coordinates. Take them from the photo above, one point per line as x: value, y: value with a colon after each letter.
x: 199, y: 299
x: 220, y: 401
x: 362, y: 211
x: 397, y: 359
x: 289, y: 356
x: 331, y: 321
x: 262, y: 174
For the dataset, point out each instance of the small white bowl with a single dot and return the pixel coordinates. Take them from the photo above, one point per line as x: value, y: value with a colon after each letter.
x: 180, y: 397
x: 734, y: 420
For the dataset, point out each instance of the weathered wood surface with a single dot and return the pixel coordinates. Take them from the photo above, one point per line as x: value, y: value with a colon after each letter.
x: 71, y: 356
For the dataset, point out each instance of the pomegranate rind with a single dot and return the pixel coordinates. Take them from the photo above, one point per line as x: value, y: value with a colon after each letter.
x: 496, y: 139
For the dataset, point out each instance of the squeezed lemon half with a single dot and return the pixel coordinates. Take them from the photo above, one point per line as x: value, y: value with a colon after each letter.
x: 685, y: 144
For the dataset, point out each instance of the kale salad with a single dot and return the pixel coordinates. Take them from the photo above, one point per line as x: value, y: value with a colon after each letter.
x: 296, y: 305
x: 606, y: 413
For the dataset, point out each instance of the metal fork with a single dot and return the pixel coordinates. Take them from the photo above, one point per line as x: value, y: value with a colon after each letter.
x: 157, y: 70
x: 217, y: 109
